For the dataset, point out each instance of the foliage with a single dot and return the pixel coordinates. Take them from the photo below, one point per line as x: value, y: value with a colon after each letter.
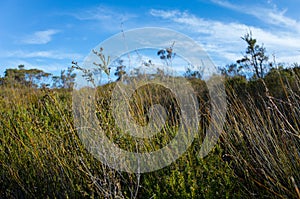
x: 254, y: 64
x: 65, y: 80
x: 191, y: 72
x: 120, y: 70
x: 23, y: 77
x: 257, y: 156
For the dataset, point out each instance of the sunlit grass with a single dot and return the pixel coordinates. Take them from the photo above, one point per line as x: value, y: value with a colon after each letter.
x: 258, y: 154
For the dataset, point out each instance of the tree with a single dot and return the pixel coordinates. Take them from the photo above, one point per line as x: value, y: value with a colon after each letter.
x: 255, y: 57
x: 65, y: 80
x: 120, y: 70
x: 192, y: 72
x: 24, y: 77
x: 231, y: 70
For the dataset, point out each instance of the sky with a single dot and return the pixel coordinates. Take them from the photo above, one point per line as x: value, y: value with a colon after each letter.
x: 50, y: 34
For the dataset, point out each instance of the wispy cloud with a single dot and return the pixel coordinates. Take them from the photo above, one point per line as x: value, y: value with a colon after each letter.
x: 103, y: 13
x: 270, y: 15
x: 41, y: 54
x: 40, y: 37
x: 165, y: 14
x: 222, y: 39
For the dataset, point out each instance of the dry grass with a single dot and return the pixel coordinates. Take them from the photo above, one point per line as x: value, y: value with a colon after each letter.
x: 41, y: 155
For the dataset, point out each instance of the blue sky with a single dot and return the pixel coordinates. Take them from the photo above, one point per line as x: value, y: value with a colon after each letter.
x: 50, y: 34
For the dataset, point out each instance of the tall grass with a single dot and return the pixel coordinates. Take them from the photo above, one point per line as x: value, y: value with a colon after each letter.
x: 258, y: 155
x: 262, y: 139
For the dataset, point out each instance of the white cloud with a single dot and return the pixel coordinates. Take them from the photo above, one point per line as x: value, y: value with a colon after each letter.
x: 102, y: 18
x: 40, y: 37
x: 222, y: 40
x: 272, y: 15
x: 164, y: 14
x: 41, y: 54
x: 103, y: 14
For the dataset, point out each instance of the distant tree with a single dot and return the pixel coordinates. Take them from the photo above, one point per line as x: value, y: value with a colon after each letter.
x: 21, y: 66
x: 231, y: 70
x: 120, y: 70
x: 255, y: 58
x: 65, y: 80
x: 24, y: 77
x: 56, y: 81
x: 191, y: 72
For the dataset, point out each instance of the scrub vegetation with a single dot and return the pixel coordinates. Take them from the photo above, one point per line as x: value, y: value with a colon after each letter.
x: 257, y: 155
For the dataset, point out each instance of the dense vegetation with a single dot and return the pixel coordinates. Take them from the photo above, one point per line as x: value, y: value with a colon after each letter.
x: 257, y: 156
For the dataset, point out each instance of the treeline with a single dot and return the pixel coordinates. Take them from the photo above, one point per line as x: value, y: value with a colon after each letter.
x: 36, y: 78
x: 253, y: 66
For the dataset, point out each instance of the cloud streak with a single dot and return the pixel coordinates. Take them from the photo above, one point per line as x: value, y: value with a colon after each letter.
x: 222, y: 39
x: 103, y: 17
x: 102, y: 13
x: 41, y: 54
x: 40, y: 37
x: 272, y: 16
